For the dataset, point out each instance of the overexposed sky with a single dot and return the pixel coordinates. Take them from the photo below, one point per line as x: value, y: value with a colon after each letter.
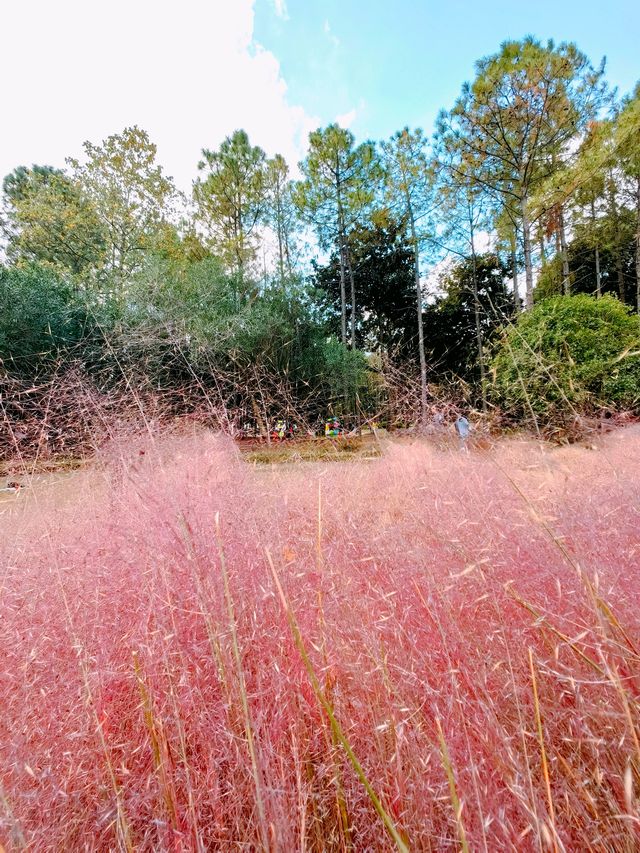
x: 187, y: 71
x: 190, y: 72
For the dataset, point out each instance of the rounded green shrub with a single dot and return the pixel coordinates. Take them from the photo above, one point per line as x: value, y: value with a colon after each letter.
x: 569, y: 355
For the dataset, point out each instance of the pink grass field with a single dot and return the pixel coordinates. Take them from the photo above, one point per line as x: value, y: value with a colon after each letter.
x: 471, y: 621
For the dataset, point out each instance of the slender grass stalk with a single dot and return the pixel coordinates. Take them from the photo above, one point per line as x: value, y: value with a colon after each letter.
x: 123, y: 832
x: 159, y: 746
x: 328, y: 709
x: 455, y: 800
x: 542, y: 621
x: 543, y: 752
x: 243, y: 689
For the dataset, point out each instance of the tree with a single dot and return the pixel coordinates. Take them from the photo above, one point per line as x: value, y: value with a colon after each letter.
x: 130, y: 195
x: 280, y: 212
x: 626, y: 145
x: 408, y: 182
x: 231, y: 200
x: 383, y: 269
x: 515, y: 122
x: 50, y: 221
x: 601, y: 187
x: 464, y: 213
x: 473, y: 293
x: 338, y: 186
x: 599, y: 251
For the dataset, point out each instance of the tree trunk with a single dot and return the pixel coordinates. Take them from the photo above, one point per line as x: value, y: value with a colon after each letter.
x: 558, y: 276
x: 343, y: 297
x: 280, y: 242
x: 566, y: 281
x: 638, y: 244
x: 613, y: 209
x: 514, y: 268
x: 421, y: 352
x: 597, y: 252
x: 543, y: 254
x: 353, y: 298
x: 343, y: 292
x: 476, y: 311
x: 528, y: 266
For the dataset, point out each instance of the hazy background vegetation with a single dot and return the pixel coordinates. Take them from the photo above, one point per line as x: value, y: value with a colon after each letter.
x: 495, y: 266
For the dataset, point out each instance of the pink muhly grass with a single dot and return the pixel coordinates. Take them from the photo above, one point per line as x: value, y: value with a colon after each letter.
x: 471, y: 622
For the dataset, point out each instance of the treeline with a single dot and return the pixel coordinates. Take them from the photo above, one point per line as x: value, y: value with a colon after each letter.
x: 388, y: 271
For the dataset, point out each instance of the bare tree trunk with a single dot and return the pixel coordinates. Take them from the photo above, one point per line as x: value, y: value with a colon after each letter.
x: 343, y: 297
x: 566, y: 281
x: 280, y: 243
x: 638, y: 245
x: 476, y: 311
x: 597, y: 252
x: 421, y: 352
x: 558, y: 275
x: 514, y: 268
x: 543, y: 254
x: 528, y: 266
x: 613, y: 205
x: 353, y: 298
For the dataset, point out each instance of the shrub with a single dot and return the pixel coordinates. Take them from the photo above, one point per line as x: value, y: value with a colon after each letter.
x: 569, y: 355
x: 40, y: 318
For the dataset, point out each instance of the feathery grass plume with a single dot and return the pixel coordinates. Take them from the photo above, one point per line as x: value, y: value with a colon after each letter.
x: 419, y: 581
x: 400, y: 842
x: 455, y: 801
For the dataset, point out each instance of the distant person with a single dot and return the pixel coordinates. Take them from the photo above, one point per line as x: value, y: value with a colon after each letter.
x: 463, y: 428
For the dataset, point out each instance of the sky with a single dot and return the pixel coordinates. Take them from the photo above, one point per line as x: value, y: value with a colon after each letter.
x: 191, y: 72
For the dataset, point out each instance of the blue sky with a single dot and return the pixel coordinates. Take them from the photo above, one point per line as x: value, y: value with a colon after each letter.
x: 398, y: 63
x: 192, y: 72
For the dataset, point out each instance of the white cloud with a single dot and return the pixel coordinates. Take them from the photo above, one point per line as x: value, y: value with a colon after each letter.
x: 347, y: 119
x: 188, y: 73
x: 335, y: 41
x: 280, y: 7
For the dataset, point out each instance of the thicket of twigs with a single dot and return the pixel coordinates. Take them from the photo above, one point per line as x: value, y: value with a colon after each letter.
x: 68, y: 412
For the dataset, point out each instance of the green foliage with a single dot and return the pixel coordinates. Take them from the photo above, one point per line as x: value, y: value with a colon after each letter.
x: 450, y: 327
x: 615, y: 242
x: 39, y: 321
x: 342, y: 377
x: 130, y: 195
x: 51, y: 222
x: 511, y: 127
x: 337, y: 192
x: 185, y: 320
x: 339, y: 182
x: 281, y: 214
x: 231, y: 199
x: 568, y: 355
x: 383, y: 261
x: 408, y: 178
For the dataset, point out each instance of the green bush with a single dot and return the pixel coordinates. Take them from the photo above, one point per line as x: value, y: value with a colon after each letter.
x: 569, y: 355
x: 40, y: 318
